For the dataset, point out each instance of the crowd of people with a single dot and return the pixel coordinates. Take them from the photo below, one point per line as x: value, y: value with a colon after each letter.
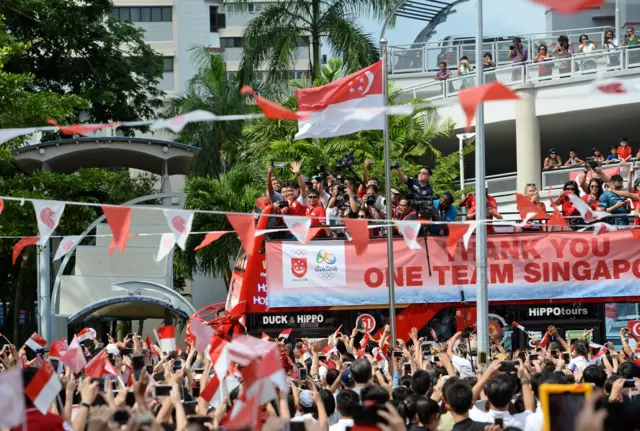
x: 339, y: 383
x: 328, y: 199
x: 519, y: 55
x: 621, y: 153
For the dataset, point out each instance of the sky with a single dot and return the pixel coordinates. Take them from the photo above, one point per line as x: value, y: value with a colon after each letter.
x: 501, y: 18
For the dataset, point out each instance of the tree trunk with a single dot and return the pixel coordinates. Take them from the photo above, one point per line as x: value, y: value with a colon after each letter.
x: 315, y: 39
x: 20, y: 287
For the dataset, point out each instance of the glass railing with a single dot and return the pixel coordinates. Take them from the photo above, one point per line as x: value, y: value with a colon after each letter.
x: 425, y: 57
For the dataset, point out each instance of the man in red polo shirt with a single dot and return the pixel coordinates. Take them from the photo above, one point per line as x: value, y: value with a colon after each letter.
x: 492, y: 208
x: 316, y: 211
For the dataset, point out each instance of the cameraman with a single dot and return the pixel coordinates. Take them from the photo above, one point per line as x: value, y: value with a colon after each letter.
x: 421, y: 185
x: 519, y: 54
x: 371, y: 203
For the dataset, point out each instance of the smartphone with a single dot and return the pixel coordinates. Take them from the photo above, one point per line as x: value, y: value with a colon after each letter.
x: 427, y: 345
x: 498, y: 420
x: 149, y: 369
x: 159, y: 377
x: 101, y: 384
x: 398, y: 353
x: 161, y: 390
x: 508, y: 366
x: 347, y: 364
x: 121, y: 416
x: 561, y: 404
x: 436, y: 359
x: 177, y: 366
x: 138, y: 365
x: 533, y: 358
x: 407, y: 368
x: 130, y: 335
x: 629, y: 383
x: 303, y: 374
x: 201, y: 419
x: 566, y: 357
x: 189, y: 407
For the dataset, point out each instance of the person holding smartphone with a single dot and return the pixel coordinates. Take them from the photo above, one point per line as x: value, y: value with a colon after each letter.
x: 587, y: 46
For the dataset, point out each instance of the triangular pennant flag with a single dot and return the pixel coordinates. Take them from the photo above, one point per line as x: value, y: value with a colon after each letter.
x: 114, y: 244
x: 264, y: 336
x: 359, y: 231
x: 271, y: 109
x: 529, y: 210
x: 245, y: 228
x: 79, y: 129
x: 1, y: 205
x: 209, y: 238
x: 67, y: 244
x: 119, y: 220
x: 48, y: 215
x: 470, y: 98
x: 588, y: 214
x: 20, y: 245
x: 180, y: 222
x: 167, y: 241
x: 568, y: 7
x: 458, y: 231
x: 557, y: 220
x: 600, y: 227
x: 176, y: 124
x: 299, y: 227
x: 409, y: 231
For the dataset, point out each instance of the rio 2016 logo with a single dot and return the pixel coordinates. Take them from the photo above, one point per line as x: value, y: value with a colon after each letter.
x: 326, y: 257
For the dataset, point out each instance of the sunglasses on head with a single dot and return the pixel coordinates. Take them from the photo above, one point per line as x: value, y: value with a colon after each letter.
x: 530, y: 185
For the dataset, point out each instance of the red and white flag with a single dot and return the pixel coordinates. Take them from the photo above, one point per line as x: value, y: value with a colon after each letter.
x: 613, y: 86
x: 177, y: 123
x: 167, y: 242
x: 409, y: 231
x: 218, y: 353
x: 299, y: 227
x: 245, y: 413
x: 36, y: 342
x: 587, y: 214
x: 285, y: 333
x: 264, y: 336
x: 95, y: 367
x: 215, y: 392
x: 48, y: 215
x: 328, y: 105
x: 519, y: 326
x: 74, y: 357
x: 243, y: 349
x: 364, y: 340
x: 109, y: 369
x: 43, y: 387
x: 12, y: 407
x: 58, y: 348
x: 166, y: 336
x: 66, y: 245
x: 202, y: 333
x: 86, y: 334
x: 544, y: 341
x: 634, y: 327
x: 180, y: 222
x: 263, y: 375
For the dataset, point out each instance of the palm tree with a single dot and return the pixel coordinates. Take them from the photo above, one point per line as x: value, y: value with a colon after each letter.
x: 211, y: 90
x: 272, y: 38
x: 235, y: 190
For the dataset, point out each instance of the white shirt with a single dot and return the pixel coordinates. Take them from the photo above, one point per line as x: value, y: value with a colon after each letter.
x: 535, y: 421
x: 579, y: 363
x: 342, y: 425
x: 463, y: 366
x: 517, y: 421
x: 300, y: 418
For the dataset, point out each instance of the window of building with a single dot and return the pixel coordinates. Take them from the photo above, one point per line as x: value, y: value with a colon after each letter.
x: 213, y: 19
x: 168, y: 64
x: 143, y: 14
x: 231, y: 42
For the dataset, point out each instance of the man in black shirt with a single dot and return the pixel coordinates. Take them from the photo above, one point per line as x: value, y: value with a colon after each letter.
x: 418, y: 186
x: 458, y: 398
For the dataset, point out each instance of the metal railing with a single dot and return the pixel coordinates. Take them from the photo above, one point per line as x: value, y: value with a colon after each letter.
x: 605, y: 60
x: 557, y: 177
x: 497, y: 184
x: 425, y: 57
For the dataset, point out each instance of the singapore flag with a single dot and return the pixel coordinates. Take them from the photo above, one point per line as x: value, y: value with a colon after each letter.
x: 329, y: 105
x: 66, y: 245
x: 48, y: 215
x: 180, y: 224
x: 167, y: 241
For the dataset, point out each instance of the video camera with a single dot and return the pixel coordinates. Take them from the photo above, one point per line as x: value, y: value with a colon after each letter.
x: 346, y: 162
x: 276, y: 165
x: 321, y: 174
x: 423, y: 205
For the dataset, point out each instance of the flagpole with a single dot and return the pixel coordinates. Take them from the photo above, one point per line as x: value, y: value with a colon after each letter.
x: 387, y: 174
x: 482, y: 293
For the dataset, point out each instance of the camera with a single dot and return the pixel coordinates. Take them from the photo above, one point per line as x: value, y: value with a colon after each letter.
x: 282, y: 204
x: 346, y: 162
x: 321, y: 175
x: 273, y: 164
x: 591, y: 163
x: 511, y: 48
x: 395, y: 165
x: 371, y: 200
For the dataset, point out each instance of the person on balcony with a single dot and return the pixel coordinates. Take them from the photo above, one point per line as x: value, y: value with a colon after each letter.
x: 488, y: 66
x: 552, y: 161
x: 610, y: 43
x: 563, y: 49
x: 624, y: 150
x: 573, y: 159
x: 613, y: 155
x: 519, y: 54
x: 444, y: 73
x: 597, y: 156
x: 614, y: 203
x: 464, y: 70
x: 631, y: 40
x: 587, y: 46
x: 633, y: 193
x: 541, y: 57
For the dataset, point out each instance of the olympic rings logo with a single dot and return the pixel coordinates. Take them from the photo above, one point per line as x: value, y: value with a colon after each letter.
x: 299, y: 252
x: 326, y: 257
x: 327, y: 276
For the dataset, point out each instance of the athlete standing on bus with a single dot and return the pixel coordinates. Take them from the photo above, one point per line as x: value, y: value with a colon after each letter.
x: 296, y: 203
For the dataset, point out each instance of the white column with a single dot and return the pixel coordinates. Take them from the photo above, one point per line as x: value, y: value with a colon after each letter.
x: 44, y: 291
x: 529, y: 162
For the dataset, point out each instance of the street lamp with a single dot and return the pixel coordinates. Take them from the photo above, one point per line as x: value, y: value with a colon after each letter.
x: 461, y: 138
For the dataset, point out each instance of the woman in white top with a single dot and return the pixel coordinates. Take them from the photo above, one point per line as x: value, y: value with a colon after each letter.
x: 610, y: 43
x: 587, y: 46
x: 465, y: 69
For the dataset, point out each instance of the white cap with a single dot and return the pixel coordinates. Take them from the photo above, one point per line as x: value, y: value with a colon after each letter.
x: 112, y: 349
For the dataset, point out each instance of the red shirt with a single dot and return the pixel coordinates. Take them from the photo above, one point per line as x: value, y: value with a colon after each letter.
x: 529, y: 225
x: 318, y: 215
x: 568, y: 209
x: 624, y: 152
x: 593, y: 204
x: 296, y: 208
x: 36, y: 421
x: 470, y: 202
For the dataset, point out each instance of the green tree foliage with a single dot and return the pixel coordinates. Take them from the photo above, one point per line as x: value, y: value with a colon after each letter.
x: 275, y: 35
x: 212, y: 91
x: 235, y: 190
x: 72, y: 48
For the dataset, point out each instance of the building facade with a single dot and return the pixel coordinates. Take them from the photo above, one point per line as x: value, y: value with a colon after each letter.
x: 174, y: 27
